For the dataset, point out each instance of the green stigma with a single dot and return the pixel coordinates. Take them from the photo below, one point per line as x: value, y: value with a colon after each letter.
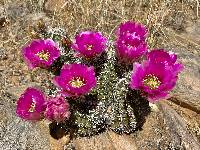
x: 151, y: 81
x: 77, y: 82
x: 43, y: 55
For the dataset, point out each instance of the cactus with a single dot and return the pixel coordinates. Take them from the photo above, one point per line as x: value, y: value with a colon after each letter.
x: 106, y: 104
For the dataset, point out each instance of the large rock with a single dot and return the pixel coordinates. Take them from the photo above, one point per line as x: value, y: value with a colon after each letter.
x: 187, y: 90
x: 188, y: 86
x: 106, y: 141
x: 16, y: 133
x: 179, y: 129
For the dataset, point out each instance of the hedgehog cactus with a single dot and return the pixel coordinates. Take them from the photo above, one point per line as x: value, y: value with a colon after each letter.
x: 100, y: 86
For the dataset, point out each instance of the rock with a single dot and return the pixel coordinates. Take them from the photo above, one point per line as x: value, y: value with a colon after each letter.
x: 59, y: 144
x: 191, y: 118
x: 166, y: 129
x: 105, y: 141
x: 16, y: 133
x: 97, y: 142
x: 187, y: 89
x: 178, y: 129
x: 122, y: 142
x: 154, y: 134
x: 55, y: 144
x: 163, y: 129
x: 15, y: 92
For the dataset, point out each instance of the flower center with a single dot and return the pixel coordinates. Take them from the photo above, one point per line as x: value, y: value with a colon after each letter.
x: 77, y: 82
x: 43, y: 55
x: 151, y: 81
x: 89, y: 47
x: 32, y: 107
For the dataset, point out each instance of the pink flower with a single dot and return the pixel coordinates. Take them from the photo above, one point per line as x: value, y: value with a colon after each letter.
x: 75, y: 79
x: 133, y: 30
x: 57, y: 109
x: 40, y: 53
x: 89, y: 44
x: 167, y: 58
x: 30, y: 105
x: 155, y: 80
x: 130, y: 43
x: 129, y: 50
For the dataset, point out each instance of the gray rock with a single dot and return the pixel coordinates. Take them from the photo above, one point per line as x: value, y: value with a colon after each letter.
x: 178, y: 129
x: 187, y: 90
x: 16, y: 133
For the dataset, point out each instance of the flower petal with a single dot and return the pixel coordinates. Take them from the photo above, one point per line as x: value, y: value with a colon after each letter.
x: 75, y: 79
x: 30, y: 105
x: 40, y: 53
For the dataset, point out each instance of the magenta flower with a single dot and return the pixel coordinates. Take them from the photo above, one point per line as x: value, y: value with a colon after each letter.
x: 167, y: 58
x: 40, y: 53
x: 155, y: 80
x: 75, y: 79
x: 57, y: 109
x: 133, y: 30
x: 30, y: 105
x: 89, y: 44
x: 129, y: 50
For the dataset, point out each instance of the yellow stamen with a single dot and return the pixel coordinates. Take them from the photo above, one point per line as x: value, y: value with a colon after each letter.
x: 43, y: 55
x: 77, y: 82
x: 151, y: 81
x: 32, y: 107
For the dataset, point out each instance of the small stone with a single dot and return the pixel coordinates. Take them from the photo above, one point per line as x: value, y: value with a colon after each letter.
x: 153, y: 107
